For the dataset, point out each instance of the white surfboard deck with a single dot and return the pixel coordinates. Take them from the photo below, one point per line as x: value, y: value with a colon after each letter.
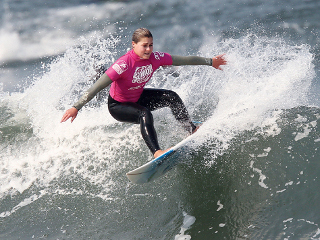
x: 158, y: 166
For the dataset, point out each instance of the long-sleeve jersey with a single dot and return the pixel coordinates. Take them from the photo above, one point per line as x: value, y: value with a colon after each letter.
x: 129, y: 74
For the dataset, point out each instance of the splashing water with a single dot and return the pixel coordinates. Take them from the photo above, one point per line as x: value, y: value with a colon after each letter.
x: 262, y: 77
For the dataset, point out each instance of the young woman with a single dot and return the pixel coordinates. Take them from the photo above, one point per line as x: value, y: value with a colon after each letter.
x: 129, y: 101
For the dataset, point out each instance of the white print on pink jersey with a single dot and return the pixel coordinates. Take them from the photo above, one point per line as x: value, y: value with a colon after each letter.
x: 142, y: 74
x: 120, y: 67
x: 157, y: 55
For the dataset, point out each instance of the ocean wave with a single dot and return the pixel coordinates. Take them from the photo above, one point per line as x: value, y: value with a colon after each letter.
x: 258, y: 142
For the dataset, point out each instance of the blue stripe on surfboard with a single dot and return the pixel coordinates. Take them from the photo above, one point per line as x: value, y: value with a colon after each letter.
x: 158, y: 159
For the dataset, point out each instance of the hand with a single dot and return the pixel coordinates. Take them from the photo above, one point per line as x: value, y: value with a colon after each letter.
x: 70, y: 113
x: 219, y: 60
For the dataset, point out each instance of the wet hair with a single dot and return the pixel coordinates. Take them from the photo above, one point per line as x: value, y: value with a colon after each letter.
x: 141, y: 33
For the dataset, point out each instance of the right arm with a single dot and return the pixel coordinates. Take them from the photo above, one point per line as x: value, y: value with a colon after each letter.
x: 103, y: 82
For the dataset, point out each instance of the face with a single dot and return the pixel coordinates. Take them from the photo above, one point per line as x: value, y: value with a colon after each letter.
x: 143, y: 48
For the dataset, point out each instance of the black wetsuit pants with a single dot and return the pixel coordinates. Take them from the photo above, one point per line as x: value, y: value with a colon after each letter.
x: 140, y: 112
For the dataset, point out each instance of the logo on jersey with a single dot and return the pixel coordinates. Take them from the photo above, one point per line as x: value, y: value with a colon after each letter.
x: 157, y: 55
x: 142, y: 74
x: 120, y: 66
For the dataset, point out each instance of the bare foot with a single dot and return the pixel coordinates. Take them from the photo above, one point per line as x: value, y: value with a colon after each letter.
x: 160, y: 152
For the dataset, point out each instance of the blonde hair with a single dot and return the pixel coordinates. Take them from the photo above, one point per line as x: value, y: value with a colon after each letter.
x: 141, y: 33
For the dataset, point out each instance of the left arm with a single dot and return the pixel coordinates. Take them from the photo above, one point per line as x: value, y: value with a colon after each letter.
x: 215, y: 62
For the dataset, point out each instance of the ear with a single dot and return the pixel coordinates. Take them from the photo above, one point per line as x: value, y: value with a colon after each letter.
x: 133, y: 44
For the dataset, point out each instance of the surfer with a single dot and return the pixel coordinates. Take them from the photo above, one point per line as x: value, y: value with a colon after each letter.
x: 129, y: 101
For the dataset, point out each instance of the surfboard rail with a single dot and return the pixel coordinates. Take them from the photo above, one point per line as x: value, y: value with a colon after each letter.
x: 158, y: 166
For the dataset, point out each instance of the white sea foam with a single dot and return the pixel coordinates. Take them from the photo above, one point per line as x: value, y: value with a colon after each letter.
x: 263, y: 75
x: 188, y: 220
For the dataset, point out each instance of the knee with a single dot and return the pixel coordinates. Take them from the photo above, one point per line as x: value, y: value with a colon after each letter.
x: 146, y: 116
x: 172, y: 96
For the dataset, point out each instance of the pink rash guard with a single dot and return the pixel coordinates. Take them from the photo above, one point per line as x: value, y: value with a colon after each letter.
x: 129, y: 74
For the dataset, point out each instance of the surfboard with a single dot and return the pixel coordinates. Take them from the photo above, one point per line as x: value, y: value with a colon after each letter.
x: 160, y: 165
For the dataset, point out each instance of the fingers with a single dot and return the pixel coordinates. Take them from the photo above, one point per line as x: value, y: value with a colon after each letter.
x: 73, y: 118
x: 219, y: 60
x: 65, y: 117
x: 70, y: 113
